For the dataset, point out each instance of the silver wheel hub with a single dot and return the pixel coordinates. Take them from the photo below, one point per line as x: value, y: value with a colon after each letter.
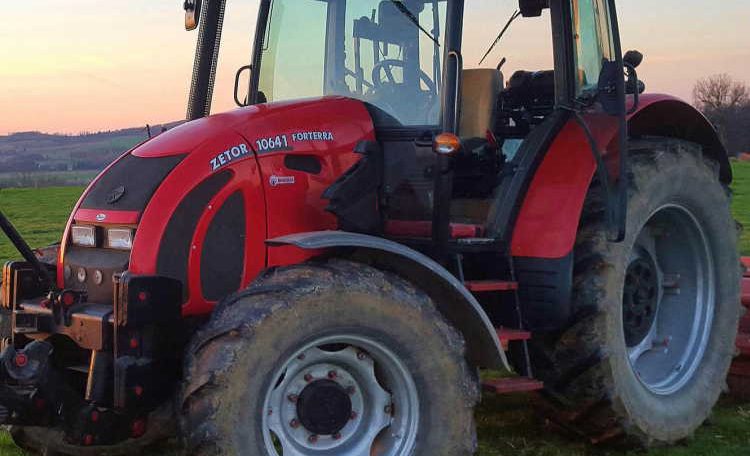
x: 668, y: 300
x: 334, y: 398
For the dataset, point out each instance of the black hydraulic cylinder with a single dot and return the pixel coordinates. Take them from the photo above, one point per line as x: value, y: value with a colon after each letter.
x: 25, y: 251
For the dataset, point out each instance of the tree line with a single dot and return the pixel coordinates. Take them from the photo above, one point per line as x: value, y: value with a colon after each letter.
x: 726, y: 103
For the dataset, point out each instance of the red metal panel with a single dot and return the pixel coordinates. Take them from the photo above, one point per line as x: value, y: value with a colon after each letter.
x: 326, y: 130
x: 107, y: 217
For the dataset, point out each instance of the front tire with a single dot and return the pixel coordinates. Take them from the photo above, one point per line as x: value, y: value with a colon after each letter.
x: 647, y: 355
x: 328, y: 359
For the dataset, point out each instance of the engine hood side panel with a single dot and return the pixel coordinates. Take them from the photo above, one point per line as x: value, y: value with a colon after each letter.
x: 317, y: 141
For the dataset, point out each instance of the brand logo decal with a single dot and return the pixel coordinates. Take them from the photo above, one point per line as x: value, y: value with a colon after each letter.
x: 116, y: 195
x: 101, y: 217
x: 275, y: 181
x: 230, y: 155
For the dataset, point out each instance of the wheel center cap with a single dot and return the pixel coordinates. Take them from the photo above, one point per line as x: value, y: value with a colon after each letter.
x: 324, y: 407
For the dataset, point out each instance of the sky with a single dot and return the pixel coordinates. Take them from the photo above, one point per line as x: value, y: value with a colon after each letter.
x: 101, y: 65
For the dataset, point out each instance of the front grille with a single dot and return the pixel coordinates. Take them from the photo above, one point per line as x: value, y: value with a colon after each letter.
x: 90, y: 260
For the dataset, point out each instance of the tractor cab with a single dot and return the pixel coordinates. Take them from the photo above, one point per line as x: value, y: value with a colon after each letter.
x: 403, y: 60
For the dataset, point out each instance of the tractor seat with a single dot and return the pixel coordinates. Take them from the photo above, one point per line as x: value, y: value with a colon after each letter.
x: 480, y: 91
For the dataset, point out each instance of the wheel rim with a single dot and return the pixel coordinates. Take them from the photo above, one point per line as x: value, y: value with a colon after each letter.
x: 338, y: 395
x: 668, y: 300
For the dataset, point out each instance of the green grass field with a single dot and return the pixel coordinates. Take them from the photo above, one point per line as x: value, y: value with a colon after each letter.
x: 507, y: 425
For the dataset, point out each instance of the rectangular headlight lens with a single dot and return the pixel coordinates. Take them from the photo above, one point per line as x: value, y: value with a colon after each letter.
x: 84, y: 236
x: 120, y: 238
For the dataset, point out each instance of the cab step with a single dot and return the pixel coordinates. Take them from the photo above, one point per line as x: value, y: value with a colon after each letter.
x: 743, y: 343
x: 512, y: 385
x: 423, y: 229
x: 746, y: 291
x: 485, y: 286
x: 507, y: 335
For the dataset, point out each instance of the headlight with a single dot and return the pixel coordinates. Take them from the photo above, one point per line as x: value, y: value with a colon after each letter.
x: 84, y: 236
x: 120, y: 238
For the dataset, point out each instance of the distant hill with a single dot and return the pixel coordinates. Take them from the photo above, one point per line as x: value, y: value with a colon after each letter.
x: 30, y: 152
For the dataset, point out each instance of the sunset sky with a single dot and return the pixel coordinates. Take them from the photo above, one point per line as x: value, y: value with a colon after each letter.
x: 97, y: 65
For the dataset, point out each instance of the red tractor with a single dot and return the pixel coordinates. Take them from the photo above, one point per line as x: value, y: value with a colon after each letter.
x: 326, y: 270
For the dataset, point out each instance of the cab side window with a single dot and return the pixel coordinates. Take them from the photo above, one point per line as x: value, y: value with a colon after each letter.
x: 593, y: 41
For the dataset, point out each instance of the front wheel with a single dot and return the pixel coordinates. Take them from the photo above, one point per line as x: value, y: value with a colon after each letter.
x: 329, y: 359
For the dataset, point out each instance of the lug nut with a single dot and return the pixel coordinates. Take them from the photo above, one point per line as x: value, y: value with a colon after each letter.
x: 353, y: 415
x: 293, y: 398
x: 332, y: 375
x: 388, y: 409
x: 308, y: 378
x: 361, y: 356
x: 313, y: 439
x: 337, y: 436
x: 294, y: 424
x: 301, y: 357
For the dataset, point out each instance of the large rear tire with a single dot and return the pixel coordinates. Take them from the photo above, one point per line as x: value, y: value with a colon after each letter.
x: 328, y: 359
x: 647, y: 355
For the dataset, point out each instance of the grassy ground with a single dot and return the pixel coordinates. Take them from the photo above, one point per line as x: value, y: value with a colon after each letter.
x: 39, y: 214
x: 507, y: 425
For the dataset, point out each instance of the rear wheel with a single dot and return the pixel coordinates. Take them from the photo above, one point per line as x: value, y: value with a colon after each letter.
x: 329, y: 359
x: 656, y: 315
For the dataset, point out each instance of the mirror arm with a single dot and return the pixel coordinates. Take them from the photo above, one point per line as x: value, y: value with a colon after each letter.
x: 634, y: 86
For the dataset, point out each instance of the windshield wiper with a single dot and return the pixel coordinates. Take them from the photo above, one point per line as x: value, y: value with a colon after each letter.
x: 409, y: 15
x: 513, y: 17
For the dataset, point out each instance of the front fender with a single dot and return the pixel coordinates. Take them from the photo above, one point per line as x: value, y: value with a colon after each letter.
x: 450, y: 296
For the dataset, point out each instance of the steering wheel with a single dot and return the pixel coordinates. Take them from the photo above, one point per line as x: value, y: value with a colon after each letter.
x: 388, y: 65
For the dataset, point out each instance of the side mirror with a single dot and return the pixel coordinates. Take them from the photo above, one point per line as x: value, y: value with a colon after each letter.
x: 237, y: 78
x: 633, y: 58
x: 532, y: 8
x: 192, y: 13
x: 633, y: 86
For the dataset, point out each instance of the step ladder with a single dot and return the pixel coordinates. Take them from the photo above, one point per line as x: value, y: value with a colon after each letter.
x: 466, y: 239
x: 507, y: 385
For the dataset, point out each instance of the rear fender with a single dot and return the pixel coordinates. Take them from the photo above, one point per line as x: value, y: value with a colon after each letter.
x: 547, y: 223
x: 451, y: 298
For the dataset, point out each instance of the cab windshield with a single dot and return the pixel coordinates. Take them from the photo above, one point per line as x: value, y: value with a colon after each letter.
x: 385, y: 53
